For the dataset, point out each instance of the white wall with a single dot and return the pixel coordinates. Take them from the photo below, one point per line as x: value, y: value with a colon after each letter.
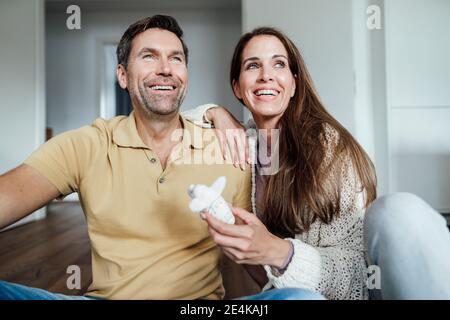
x: 418, y: 82
x: 73, y: 59
x: 22, y: 82
x: 371, y: 116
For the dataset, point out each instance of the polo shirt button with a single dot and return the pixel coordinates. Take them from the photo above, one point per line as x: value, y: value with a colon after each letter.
x: 162, y: 179
x: 152, y: 160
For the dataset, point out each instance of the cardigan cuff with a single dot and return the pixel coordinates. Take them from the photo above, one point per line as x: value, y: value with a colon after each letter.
x: 304, y: 270
x: 197, y: 115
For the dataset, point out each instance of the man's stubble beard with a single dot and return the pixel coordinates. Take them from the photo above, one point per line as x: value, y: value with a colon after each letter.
x: 160, y: 105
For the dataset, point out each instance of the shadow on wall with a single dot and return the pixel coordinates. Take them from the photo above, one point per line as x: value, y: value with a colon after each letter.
x: 427, y: 175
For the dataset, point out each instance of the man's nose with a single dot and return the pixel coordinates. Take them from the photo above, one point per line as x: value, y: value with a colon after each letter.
x: 164, y: 68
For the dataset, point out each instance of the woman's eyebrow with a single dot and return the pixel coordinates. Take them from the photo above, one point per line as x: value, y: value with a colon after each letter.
x: 250, y: 59
x: 275, y: 56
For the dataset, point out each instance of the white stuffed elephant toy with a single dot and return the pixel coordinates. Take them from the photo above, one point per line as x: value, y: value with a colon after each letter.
x: 209, y: 199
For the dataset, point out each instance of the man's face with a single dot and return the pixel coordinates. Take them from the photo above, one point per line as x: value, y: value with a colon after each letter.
x: 156, y: 76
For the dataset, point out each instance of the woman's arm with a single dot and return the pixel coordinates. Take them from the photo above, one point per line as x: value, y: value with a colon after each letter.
x: 230, y: 132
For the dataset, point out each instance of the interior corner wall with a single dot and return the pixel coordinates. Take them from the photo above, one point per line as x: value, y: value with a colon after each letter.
x: 73, y: 61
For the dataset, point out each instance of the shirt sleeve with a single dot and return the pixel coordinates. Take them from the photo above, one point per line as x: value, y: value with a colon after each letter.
x: 64, y: 159
x: 242, y: 198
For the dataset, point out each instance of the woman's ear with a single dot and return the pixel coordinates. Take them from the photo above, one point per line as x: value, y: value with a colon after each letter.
x: 294, y: 85
x: 237, y: 90
x: 121, y: 73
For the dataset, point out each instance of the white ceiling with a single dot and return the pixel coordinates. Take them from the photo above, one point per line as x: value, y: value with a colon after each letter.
x: 121, y: 5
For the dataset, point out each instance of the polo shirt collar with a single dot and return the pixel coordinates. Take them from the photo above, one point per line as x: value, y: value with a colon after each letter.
x: 195, y: 133
x: 125, y: 134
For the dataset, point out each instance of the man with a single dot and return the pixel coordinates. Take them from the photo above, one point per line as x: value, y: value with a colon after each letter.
x: 146, y: 243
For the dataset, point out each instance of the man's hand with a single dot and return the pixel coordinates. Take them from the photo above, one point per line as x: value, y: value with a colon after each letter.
x: 231, y: 135
x: 22, y: 191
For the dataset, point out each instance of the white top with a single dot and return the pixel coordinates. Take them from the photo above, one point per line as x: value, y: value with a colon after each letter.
x: 328, y: 258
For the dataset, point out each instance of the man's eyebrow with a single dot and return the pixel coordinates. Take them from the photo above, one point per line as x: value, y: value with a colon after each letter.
x: 146, y: 49
x: 178, y: 53
x: 152, y: 50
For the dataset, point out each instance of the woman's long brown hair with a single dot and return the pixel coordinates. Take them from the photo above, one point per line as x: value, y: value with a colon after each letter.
x: 307, y: 186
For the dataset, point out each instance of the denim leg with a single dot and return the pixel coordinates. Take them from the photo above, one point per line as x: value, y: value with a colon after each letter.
x: 410, y: 242
x: 13, y: 291
x: 285, y: 294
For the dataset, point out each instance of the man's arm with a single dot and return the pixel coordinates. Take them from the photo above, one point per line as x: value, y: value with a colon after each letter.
x: 22, y: 191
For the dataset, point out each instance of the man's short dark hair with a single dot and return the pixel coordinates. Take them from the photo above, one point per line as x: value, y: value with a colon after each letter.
x: 158, y: 21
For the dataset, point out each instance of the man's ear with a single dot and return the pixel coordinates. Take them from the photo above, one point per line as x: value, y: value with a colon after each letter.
x: 237, y: 90
x: 121, y: 73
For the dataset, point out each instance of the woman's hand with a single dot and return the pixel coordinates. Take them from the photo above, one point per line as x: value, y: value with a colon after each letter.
x: 248, y: 242
x: 231, y: 134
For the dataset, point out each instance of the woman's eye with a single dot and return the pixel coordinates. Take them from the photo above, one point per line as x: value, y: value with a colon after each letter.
x: 280, y: 64
x: 252, y: 66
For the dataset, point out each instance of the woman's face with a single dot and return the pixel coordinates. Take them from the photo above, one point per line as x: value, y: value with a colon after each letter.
x: 266, y: 83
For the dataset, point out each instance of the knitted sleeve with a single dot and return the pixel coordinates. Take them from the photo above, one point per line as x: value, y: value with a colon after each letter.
x: 330, y: 258
x: 197, y: 115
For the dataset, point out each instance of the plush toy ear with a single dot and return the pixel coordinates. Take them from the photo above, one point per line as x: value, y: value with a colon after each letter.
x: 219, y: 184
x: 196, y: 205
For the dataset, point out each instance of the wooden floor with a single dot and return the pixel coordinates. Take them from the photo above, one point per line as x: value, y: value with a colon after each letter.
x: 37, y: 254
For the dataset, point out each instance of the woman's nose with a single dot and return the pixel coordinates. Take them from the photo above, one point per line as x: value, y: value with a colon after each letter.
x: 266, y: 75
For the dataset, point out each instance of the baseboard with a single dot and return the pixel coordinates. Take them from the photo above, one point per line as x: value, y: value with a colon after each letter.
x: 35, y: 216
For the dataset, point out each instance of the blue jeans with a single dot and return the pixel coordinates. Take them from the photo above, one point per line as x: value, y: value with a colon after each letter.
x: 285, y: 294
x: 12, y: 291
x: 410, y: 242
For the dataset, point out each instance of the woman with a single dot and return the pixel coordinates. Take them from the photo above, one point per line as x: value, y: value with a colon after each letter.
x: 308, y: 227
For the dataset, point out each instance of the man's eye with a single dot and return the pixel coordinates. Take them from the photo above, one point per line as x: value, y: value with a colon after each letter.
x: 149, y: 57
x: 177, y: 59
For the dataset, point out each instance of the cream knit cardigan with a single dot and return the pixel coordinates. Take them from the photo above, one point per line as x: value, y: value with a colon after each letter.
x: 328, y: 258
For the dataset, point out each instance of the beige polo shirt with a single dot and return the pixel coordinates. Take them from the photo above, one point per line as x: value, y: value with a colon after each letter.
x: 146, y: 243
